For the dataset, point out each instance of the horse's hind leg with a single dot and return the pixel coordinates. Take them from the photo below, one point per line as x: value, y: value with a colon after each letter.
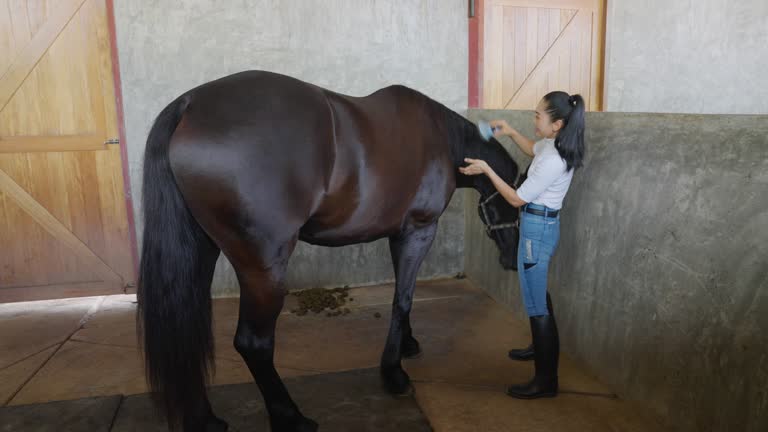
x: 261, y: 300
x: 204, y: 420
x: 408, y: 251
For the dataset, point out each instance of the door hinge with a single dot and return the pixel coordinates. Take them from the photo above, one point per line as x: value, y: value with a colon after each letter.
x: 112, y: 141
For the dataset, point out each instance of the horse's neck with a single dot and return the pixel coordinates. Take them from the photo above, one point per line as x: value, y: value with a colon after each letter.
x: 497, y: 157
x: 465, y: 142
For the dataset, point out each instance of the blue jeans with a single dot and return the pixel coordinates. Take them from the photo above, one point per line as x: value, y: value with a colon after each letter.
x: 539, y: 236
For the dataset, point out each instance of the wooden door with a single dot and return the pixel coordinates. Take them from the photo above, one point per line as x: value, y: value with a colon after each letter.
x: 532, y: 47
x: 64, y: 227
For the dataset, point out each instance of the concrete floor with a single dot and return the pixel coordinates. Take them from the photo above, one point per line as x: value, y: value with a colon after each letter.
x: 84, y: 348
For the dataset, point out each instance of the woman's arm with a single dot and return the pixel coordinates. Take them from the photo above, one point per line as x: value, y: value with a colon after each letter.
x: 505, y: 190
x: 503, y: 128
x: 477, y: 166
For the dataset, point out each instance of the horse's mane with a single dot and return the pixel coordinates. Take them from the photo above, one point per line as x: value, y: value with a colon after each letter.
x: 462, y: 135
x: 463, y: 138
x: 445, y: 122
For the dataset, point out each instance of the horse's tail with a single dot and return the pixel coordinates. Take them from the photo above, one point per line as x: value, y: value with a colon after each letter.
x: 174, y: 302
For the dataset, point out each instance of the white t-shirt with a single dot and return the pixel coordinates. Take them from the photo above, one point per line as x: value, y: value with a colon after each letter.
x: 548, y: 181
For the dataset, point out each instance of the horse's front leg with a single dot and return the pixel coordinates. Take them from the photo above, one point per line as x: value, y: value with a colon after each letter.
x: 408, y: 250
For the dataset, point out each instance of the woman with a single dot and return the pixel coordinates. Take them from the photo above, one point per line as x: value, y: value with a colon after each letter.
x: 559, y: 122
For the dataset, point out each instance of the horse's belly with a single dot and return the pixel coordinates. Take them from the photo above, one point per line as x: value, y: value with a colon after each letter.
x: 323, y: 234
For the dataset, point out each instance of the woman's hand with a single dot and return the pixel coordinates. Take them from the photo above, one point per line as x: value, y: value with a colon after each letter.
x: 501, y: 127
x: 476, y: 166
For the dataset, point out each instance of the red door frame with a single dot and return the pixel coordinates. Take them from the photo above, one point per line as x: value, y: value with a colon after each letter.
x: 476, y: 56
x: 123, y: 141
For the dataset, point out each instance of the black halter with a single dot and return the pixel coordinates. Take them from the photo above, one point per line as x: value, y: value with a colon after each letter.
x: 489, y: 228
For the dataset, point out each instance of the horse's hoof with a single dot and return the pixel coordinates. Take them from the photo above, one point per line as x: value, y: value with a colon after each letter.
x: 208, y: 424
x: 307, y: 425
x: 396, y: 382
x: 410, y: 349
x: 216, y: 424
x: 407, y: 393
x: 413, y: 356
x: 303, y: 424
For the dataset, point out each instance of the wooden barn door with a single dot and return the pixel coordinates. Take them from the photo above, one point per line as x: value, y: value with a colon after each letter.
x: 531, y: 47
x: 64, y: 227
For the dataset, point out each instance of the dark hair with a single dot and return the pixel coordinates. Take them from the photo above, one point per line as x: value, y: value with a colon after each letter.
x: 570, y: 141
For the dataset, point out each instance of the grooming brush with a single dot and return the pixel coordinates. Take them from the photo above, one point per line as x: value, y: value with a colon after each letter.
x: 486, y: 131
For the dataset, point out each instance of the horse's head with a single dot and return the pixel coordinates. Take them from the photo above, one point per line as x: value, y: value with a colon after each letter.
x: 499, y: 217
x: 501, y: 225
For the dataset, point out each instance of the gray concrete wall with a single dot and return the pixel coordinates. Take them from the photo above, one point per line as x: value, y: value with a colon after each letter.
x: 353, y: 47
x: 703, y: 56
x: 660, y: 281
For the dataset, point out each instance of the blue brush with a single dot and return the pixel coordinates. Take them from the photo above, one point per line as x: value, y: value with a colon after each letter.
x: 486, y: 131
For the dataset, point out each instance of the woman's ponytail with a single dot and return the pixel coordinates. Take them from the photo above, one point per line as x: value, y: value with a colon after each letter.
x: 570, y: 140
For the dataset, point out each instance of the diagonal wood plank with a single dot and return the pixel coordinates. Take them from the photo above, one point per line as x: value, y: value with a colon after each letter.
x: 31, y: 54
x: 550, y: 52
x: 42, y: 216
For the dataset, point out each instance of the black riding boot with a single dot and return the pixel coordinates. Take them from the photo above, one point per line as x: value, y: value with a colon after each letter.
x: 546, y: 345
x: 526, y: 354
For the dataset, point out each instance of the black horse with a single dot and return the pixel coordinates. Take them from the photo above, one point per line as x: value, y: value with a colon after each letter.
x: 253, y: 162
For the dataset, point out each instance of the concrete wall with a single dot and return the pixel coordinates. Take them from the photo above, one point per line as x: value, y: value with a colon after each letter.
x: 353, y: 47
x: 660, y: 281
x: 703, y: 56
